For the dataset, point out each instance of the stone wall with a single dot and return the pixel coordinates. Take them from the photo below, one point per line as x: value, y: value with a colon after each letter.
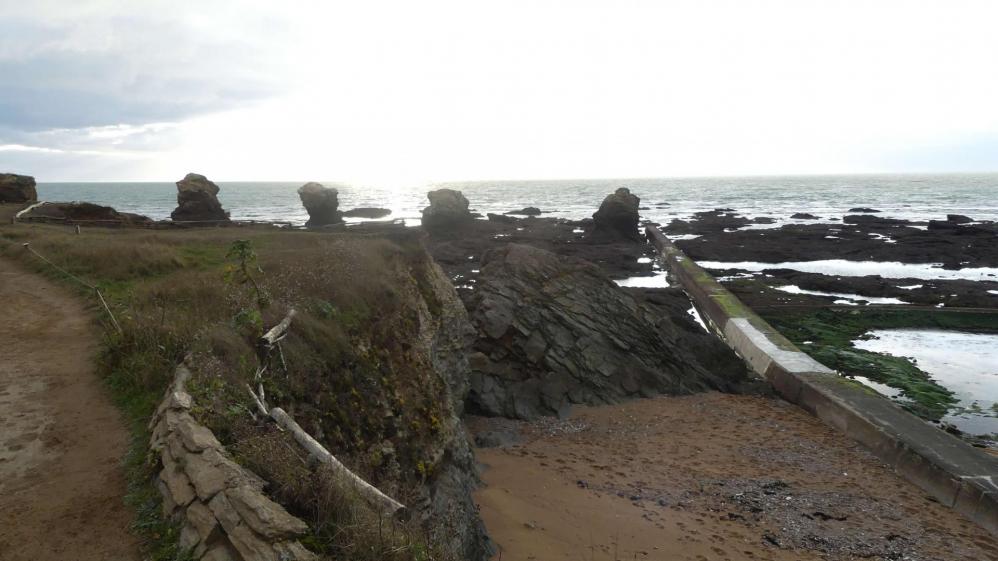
x: 225, y: 516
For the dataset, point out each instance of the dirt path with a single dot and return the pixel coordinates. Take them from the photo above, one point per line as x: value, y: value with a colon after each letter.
x: 707, y: 477
x: 61, y: 440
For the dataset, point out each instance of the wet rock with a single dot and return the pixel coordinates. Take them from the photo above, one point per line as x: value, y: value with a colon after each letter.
x: 321, y: 204
x: 17, y: 188
x: 82, y: 212
x: 502, y: 218
x: 874, y: 220
x: 367, y: 212
x: 958, y: 218
x: 527, y: 211
x: 617, y: 217
x: 804, y: 216
x: 555, y: 331
x: 197, y: 200
x: 448, y: 208
x: 863, y: 209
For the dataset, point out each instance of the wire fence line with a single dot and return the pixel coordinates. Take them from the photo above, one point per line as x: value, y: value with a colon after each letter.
x: 100, y: 297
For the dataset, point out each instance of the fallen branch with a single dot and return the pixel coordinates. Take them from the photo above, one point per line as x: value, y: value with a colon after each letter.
x: 278, y: 332
x: 381, y: 502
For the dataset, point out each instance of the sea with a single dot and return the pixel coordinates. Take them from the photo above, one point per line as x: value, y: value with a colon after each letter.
x: 914, y: 197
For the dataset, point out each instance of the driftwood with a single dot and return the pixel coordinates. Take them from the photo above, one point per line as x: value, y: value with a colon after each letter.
x: 381, y: 502
x: 276, y: 333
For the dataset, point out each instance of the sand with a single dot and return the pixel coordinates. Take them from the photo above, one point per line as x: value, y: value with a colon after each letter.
x: 706, y: 477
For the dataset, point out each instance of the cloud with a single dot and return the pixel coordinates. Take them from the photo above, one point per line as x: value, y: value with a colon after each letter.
x: 130, y: 65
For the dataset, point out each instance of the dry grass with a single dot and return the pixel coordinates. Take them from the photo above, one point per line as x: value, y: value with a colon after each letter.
x: 353, y: 378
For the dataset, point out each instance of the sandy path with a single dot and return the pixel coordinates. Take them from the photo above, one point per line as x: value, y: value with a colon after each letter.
x: 706, y: 477
x: 61, y: 440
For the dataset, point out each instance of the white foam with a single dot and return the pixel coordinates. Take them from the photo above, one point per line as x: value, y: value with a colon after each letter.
x: 845, y: 268
x: 993, y: 292
x: 657, y: 281
x: 679, y: 237
x: 911, y: 286
x: 696, y: 316
x: 851, y: 298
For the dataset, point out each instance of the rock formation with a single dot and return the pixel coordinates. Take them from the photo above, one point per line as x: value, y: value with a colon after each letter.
x: 556, y: 331
x: 197, y: 200
x: 321, y: 203
x: 81, y: 212
x: 527, y: 211
x: 448, y: 208
x: 17, y: 188
x: 617, y: 217
x: 367, y: 212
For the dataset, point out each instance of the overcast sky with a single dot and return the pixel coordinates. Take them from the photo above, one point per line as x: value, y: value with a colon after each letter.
x: 413, y: 91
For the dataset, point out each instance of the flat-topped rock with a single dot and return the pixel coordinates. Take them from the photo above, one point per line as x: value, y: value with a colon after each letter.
x: 197, y: 201
x: 448, y: 208
x: 17, y: 188
x: 81, y: 212
x: 526, y: 211
x: 321, y: 203
x: 367, y: 212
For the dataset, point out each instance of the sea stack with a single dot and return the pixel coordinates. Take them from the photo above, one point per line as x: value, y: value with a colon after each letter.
x: 197, y: 201
x: 321, y: 203
x: 448, y: 208
x: 617, y: 217
x: 17, y: 188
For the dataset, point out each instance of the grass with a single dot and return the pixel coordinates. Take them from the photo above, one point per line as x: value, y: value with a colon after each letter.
x: 358, y: 377
x: 830, y: 334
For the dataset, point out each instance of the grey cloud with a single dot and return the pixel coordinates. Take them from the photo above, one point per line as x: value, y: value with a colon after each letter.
x: 127, y: 70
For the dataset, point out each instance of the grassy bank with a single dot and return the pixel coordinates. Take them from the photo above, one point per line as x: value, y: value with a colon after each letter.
x: 349, y: 373
x: 827, y: 335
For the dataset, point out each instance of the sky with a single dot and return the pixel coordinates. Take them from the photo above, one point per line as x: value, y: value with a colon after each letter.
x: 407, y: 92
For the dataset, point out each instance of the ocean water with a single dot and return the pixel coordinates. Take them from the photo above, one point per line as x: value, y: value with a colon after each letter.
x: 915, y: 197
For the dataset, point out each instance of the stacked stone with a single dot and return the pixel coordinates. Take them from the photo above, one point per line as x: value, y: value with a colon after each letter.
x: 224, y: 514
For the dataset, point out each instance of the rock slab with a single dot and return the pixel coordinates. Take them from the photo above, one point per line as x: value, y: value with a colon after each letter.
x: 556, y: 331
x: 17, y: 188
x: 448, y: 208
x: 197, y: 201
x: 321, y: 203
x: 617, y: 217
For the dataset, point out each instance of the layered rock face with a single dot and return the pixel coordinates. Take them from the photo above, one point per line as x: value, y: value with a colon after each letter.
x: 617, y: 217
x: 17, y: 188
x: 556, y: 331
x: 448, y: 208
x: 321, y: 203
x: 197, y: 200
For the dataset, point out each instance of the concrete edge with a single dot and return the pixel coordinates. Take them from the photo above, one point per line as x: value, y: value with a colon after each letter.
x: 950, y: 470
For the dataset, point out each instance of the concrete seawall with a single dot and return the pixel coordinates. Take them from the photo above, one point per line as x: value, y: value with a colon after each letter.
x: 950, y: 470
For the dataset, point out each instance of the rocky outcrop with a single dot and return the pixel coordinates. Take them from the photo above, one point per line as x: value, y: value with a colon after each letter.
x: 321, y: 204
x: 81, y: 212
x: 448, y: 208
x: 197, y: 201
x: 863, y: 210
x: 555, y: 331
x: 958, y: 219
x: 617, y: 217
x: 367, y: 212
x: 17, y: 188
x: 804, y: 216
x: 224, y: 514
x: 526, y: 211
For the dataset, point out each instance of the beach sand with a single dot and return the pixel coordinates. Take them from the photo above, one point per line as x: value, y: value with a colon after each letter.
x: 705, y: 477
